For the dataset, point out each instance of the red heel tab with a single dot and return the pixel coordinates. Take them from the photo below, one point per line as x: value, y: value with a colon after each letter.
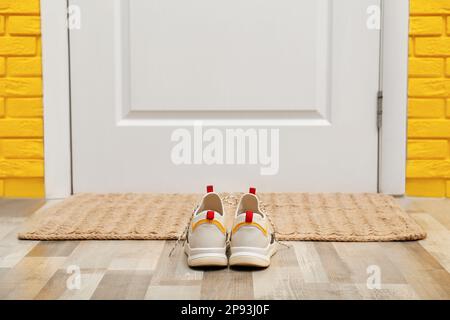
x: 209, y: 189
x: 249, y: 216
x: 210, y: 215
x: 252, y: 190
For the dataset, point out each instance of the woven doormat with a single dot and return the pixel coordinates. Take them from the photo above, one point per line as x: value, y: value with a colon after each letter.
x: 295, y: 216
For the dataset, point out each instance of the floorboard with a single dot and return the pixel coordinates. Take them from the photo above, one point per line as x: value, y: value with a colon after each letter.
x: 300, y: 270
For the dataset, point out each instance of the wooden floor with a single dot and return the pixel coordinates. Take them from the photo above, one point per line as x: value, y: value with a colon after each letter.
x: 304, y: 270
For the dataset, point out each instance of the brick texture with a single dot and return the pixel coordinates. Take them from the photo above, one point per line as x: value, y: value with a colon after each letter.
x: 21, y: 145
x: 428, y: 164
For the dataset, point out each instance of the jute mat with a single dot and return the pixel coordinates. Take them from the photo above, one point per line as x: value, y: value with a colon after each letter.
x: 295, y: 216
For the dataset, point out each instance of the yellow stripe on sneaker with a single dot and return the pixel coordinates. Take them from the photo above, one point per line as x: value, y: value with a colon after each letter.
x: 215, y: 222
x: 242, y: 224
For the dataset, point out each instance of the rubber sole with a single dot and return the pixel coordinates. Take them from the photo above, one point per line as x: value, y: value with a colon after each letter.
x: 206, y: 257
x: 208, y: 261
x: 251, y: 257
x: 249, y: 261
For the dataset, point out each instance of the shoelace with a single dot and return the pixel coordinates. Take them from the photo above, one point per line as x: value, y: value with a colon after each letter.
x: 183, y: 235
x: 231, y: 200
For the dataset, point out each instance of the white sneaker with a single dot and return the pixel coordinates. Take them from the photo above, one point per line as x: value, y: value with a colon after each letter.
x: 207, y: 236
x: 252, y: 241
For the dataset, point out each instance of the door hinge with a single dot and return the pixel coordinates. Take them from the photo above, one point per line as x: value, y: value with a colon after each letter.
x: 379, y: 109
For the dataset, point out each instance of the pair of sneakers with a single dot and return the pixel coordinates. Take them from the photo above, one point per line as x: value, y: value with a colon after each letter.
x: 251, y: 240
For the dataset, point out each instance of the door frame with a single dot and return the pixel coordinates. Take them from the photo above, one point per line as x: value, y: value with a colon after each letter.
x: 57, y: 114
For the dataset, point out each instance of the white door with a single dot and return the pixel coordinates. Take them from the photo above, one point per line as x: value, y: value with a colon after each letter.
x: 171, y: 95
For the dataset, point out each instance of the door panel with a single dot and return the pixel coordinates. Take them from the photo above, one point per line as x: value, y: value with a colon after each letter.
x: 303, y: 72
x: 227, y: 55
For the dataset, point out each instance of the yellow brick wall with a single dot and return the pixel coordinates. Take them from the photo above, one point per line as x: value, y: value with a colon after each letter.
x: 21, y: 146
x: 428, y: 164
